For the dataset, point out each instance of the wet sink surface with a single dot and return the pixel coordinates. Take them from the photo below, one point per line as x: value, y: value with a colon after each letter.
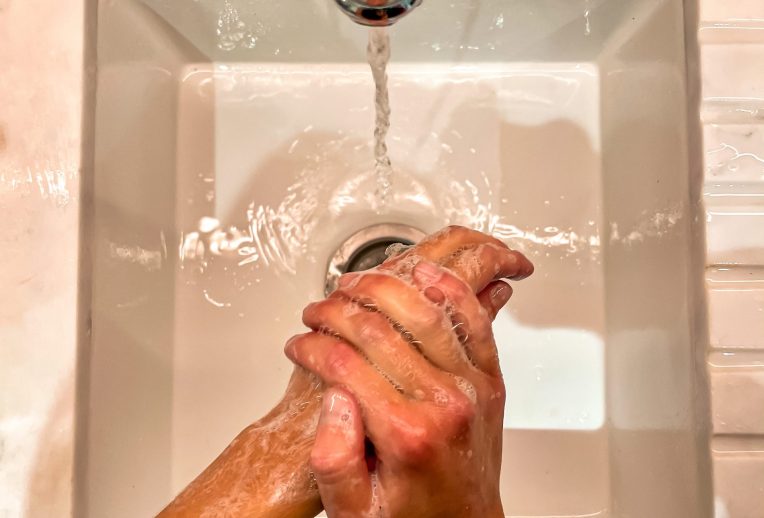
x: 307, y: 185
x: 225, y: 186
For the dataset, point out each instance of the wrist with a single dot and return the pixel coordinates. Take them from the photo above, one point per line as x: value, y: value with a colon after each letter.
x: 266, y: 467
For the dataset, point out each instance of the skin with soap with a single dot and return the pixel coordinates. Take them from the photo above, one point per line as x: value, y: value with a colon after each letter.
x: 401, y: 357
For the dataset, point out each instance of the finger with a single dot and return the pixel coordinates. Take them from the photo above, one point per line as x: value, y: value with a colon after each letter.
x: 425, y: 323
x: 472, y: 324
x: 487, y: 262
x: 397, y: 429
x: 494, y: 297
x: 338, y: 457
x: 441, y: 245
x: 384, y: 347
x: 339, y: 364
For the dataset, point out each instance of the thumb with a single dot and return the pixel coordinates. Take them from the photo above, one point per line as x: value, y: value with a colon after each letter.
x: 494, y: 297
x: 338, y: 457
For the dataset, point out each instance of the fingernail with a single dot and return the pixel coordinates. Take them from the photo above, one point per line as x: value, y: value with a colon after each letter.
x: 499, y: 294
x: 427, y: 272
x: 337, y: 408
x: 434, y: 295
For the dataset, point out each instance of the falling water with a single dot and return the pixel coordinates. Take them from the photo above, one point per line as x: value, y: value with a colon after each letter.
x: 378, y: 53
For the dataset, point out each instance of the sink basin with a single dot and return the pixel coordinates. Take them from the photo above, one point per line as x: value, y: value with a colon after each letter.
x: 233, y: 157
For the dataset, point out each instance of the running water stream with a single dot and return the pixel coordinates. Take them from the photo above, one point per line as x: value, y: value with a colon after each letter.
x: 378, y: 53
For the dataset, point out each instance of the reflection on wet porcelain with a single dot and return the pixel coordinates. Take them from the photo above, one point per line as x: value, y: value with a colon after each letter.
x: 149, y: 259
x: 46, y: 180
x: 652, y: 225
x: 232, y: 32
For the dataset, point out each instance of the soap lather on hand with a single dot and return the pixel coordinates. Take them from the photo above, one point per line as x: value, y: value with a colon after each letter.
x: 396, y: 404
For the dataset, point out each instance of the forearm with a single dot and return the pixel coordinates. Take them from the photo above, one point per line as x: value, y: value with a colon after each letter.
x: 264, y: 472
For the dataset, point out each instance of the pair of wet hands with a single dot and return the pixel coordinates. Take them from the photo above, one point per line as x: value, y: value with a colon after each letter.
x: 434, y: 410
x: 403, y: 357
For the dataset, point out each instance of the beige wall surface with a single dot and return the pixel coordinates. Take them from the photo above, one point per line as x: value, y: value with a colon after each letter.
x: 41, y: 43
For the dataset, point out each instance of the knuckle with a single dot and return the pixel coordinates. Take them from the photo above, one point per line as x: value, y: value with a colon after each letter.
x: 526, y: 264
x: 458, y: 288
x: 370, y: 331
x: 498, y: 243
x: 328, y: 464
x: 416, y: 442
x: 458, y: 231
x: 292, y: 348
x: 303, y: 349
x: 453, y: 287
x: 339, y: 360
x: 313, y: 312
x: 460, y: 412
x: 491, y: 254
x: 514, y: 258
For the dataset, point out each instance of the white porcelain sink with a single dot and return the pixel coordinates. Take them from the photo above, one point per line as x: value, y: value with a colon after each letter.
x: 233, y: 157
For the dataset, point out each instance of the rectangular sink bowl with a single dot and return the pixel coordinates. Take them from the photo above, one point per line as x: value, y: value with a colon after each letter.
x: 234, y: 156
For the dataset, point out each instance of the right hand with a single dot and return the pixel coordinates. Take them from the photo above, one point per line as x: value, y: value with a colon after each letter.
x: 433, y: 411
x: 266, y: 469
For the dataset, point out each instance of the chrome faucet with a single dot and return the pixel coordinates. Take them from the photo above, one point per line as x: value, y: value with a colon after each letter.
x: 377, y: 12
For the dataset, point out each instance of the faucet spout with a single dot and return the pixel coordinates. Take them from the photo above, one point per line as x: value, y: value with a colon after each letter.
x: 378, y: 13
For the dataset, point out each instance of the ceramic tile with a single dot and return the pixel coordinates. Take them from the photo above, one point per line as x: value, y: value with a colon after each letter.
x: 733, y: 74
x: 734, y: 152
x: 737, y: 392
x: 732, y: 63
x: 737, y: 31
x: 736, y: 307
x: 739, y: 483
x: 719, y: 10
x: 735, y: 229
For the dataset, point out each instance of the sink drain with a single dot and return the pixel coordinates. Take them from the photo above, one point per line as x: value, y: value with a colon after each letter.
x: 366, y: 249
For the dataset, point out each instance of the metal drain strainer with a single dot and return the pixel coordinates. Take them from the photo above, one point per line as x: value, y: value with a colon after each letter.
x: 366, y: 249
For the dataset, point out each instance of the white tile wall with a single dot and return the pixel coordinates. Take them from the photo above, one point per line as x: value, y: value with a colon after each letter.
x: 739, y: 480
x: 734, y: 152
x: 737, y: 395
x: 732, y: 59
x: 731, y: 10
x: 733, y: 71
x: 736, y: 307
x: 735, y: 230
